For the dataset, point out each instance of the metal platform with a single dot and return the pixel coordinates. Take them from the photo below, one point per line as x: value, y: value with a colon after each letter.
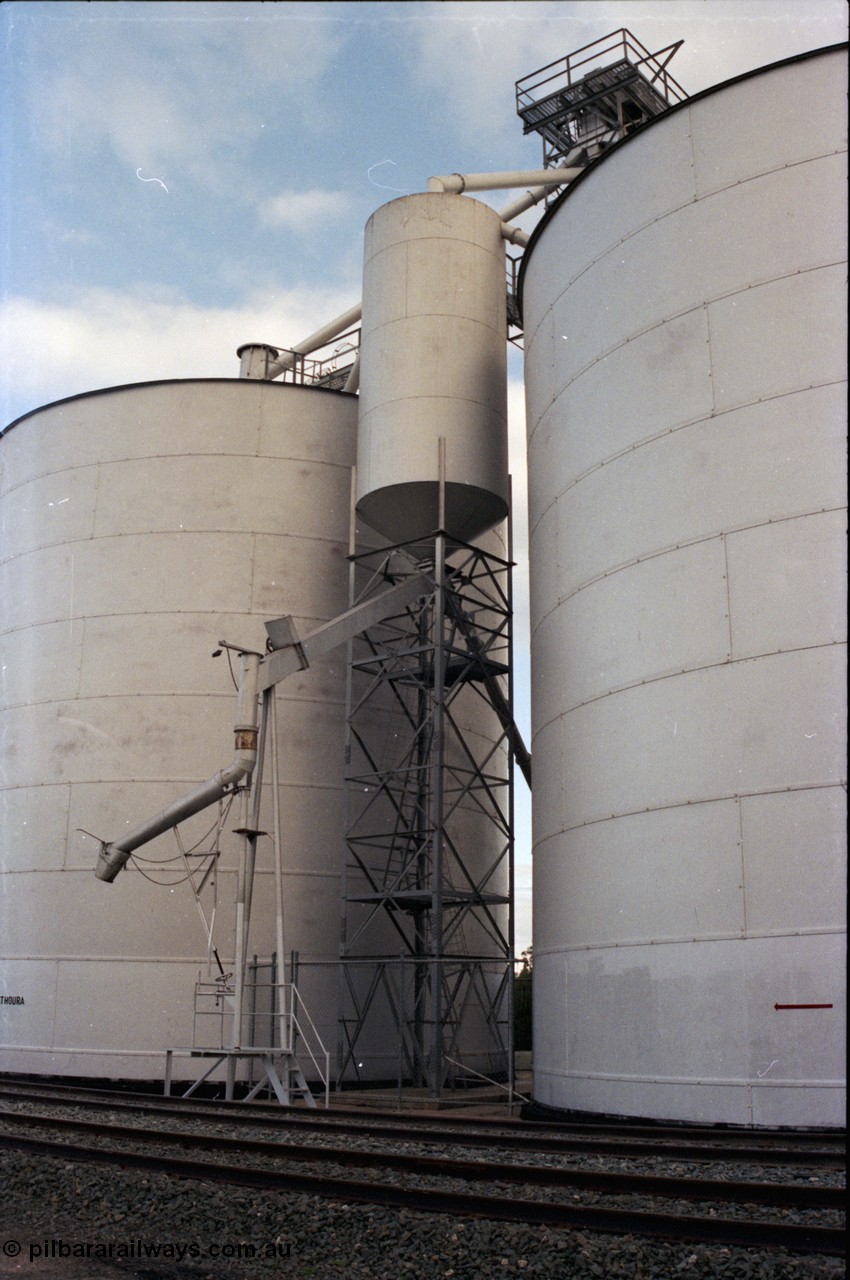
x: 578, y: 112
x: 284, y: 1076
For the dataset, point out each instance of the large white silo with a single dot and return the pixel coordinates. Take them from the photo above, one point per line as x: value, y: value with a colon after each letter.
x: 141, y: 525
x: 684, y: 307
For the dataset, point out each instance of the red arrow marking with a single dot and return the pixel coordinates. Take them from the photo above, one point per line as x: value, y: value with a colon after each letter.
x: 802, y: 1006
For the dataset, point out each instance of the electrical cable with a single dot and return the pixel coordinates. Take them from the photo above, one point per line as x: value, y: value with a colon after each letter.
x: 219, y: 822
x: 230, y: 665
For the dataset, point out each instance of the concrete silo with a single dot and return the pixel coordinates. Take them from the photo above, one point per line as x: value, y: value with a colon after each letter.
x: 684, y: 307
x: 141, y: 525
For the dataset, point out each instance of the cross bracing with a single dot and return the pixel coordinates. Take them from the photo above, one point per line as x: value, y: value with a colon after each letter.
x: 426, y: 933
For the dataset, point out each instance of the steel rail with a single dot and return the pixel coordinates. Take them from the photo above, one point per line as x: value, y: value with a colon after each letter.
x: 795, y: 1237
x: 11, y: 1086
x: 370, y: 1116
x: 798, y: 1195
x: 637, y: 1147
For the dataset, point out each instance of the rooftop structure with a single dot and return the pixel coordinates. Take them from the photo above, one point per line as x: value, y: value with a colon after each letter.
x: 575, y: 109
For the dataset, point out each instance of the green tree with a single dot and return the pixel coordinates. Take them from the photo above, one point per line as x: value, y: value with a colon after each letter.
x: 522, y: 1004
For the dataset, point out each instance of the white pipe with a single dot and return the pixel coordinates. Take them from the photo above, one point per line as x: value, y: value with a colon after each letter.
x: 516, y: 207
x: 515, y: 235
x: 331, y: 330
x: 456, y: 183
x: 279, y: 995
x: 249, y: 829
x: 353, y: 379
x: 113, y: 857
x: 241, y: 931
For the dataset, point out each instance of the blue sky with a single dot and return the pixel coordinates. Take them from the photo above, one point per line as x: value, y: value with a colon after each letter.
x: 180, y: 178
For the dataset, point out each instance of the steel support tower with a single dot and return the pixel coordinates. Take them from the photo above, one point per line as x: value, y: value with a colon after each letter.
x: 427, y: 925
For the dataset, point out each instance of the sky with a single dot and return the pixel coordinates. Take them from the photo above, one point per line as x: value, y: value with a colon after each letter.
x: 182, y: 178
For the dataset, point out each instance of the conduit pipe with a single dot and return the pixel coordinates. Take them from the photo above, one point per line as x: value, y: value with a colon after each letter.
x: 516, y: 207
x: 457, y: 183
x: 515, y: 235
x: 114, y: 856
x: 352, y: 382
x: 326, y: 334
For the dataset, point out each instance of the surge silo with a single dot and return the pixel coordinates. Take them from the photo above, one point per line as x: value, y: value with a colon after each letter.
x: 429, y: 835
x: 434, y: 365
x: 684, y: 307
x: 141, y: 525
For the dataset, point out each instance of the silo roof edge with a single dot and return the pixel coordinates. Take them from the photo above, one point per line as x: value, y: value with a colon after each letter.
x: 696, y: 97
x: 164, y: 382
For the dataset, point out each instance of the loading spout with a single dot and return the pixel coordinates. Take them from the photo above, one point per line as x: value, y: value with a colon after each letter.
x: 259, y: 673
x: 114, y: 856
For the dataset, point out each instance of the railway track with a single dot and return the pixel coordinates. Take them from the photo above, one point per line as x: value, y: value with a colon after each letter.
x: 603, y: 1199
x: 780, y: 1147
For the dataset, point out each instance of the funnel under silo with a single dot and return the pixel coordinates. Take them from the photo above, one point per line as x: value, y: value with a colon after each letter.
x: 433, y: 348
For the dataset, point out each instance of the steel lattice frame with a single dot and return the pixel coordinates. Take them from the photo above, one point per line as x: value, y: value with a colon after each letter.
x: 427, y: 922
x: 596, y: 95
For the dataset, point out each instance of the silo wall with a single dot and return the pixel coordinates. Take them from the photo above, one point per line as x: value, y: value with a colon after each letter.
x: 685, y: 333
x: 141, y: 525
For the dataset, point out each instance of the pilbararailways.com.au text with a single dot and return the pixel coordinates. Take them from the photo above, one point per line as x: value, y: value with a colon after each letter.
x: 145, y: 1250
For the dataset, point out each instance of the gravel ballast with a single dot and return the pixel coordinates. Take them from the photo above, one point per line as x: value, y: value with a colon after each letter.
x: 157, y: 1227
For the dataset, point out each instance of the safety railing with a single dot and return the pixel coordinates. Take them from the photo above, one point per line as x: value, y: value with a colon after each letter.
x: 276, y: 1019
x: 331, y: 371
x: 620, y: 45
x: 300, y: 1026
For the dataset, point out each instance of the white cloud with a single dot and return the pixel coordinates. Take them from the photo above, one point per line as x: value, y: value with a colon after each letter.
x: 164, y: 84
x: 100, y: 338
x: 62, y: 234
x: 470, y: 54
x: 304, y: 210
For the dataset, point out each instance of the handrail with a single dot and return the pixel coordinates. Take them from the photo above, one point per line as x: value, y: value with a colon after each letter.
x: 512, y: 1093
x: 289, y: 1002
x: 568, y: 65
x: 296, y: 1000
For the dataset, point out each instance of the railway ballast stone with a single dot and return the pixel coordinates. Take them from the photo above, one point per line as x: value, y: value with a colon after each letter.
x: 50, y: 1199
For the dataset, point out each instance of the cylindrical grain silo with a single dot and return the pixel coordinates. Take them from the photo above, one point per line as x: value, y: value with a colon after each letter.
x: 430, y: 847
x: 433, y: 364
x: 684, y: 307
x: 141, y: 525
